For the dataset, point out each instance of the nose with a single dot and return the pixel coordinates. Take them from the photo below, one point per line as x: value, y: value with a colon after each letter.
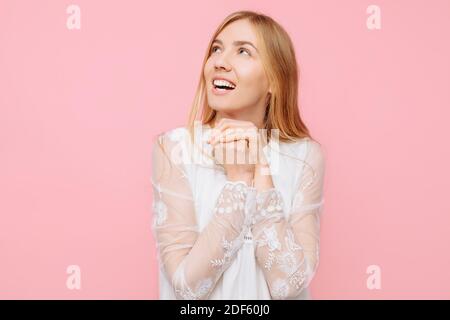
x: 221, y: 62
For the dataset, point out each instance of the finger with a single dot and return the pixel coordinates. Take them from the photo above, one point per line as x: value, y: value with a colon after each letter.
x: 221, y: 128
x: 231, y: 136
x: 247, y: 141
x: 249, y: 133
x: 222, y: 122
x: 226, y: 124
x: 225, y: 153
x: 217, y: 132
x: 230, y: 130
x: 230, y: 153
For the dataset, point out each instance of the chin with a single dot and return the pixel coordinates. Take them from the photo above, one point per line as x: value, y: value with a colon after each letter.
x: 226, y: 107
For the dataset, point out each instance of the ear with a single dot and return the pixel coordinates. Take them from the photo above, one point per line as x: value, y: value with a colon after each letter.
x: 268, y: 96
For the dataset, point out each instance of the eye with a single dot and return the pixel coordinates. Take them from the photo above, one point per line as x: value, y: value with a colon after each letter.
x: 248, y: 52
x: 213, y: 49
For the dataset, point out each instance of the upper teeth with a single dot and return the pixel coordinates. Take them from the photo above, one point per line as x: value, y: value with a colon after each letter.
x: 223, y: 83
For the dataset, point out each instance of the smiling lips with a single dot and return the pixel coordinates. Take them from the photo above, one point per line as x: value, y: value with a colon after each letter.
x: 219, y: 91
x: 222, y: 86
x: 223, y: 82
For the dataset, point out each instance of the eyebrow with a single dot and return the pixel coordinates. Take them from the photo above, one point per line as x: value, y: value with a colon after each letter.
x: 237, y: 43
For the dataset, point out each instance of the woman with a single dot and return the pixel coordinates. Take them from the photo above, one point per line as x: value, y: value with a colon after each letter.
x: 240, y: 229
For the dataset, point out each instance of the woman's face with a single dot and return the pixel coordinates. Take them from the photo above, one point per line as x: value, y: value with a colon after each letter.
x: 239, y: 63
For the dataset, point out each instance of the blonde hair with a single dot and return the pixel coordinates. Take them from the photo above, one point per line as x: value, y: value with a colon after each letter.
x: 280, y: 64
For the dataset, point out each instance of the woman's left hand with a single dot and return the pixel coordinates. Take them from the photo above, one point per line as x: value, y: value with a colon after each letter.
x: 227, y: 130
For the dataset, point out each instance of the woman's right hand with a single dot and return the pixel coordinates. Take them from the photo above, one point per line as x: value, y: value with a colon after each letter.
x: 235, y: 158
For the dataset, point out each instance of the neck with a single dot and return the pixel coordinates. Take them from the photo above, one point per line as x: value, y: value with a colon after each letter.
x: 256, y: 118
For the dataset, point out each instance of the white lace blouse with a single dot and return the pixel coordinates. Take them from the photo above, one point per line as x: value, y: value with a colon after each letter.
x: 218, y: 239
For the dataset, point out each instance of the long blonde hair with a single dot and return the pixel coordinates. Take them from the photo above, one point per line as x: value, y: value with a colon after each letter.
x: 280, y: 65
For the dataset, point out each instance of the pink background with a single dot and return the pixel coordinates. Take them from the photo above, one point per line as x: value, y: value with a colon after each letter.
x: 79, y: 109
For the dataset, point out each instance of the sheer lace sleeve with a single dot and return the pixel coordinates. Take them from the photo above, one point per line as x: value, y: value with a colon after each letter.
x: 288, y: 248
x: 194, y: 260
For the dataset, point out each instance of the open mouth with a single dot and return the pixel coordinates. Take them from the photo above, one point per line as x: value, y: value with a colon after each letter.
x: 223, y: 88
x: 223, y: 85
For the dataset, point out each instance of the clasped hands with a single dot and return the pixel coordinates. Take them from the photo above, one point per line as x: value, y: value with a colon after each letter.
x: 242, y: 143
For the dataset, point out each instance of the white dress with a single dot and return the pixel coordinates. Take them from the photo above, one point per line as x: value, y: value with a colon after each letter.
x: 221, y: 239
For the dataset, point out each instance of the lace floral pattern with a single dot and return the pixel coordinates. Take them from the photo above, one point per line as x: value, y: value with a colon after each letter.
x: 285, y: 243
x: 280, y: 289
x: 232, y: 198
x: 193, y: 260
x: 230, y: 248
x: 269, y: 204
x: 284, y: 263
x: 201, y: 290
